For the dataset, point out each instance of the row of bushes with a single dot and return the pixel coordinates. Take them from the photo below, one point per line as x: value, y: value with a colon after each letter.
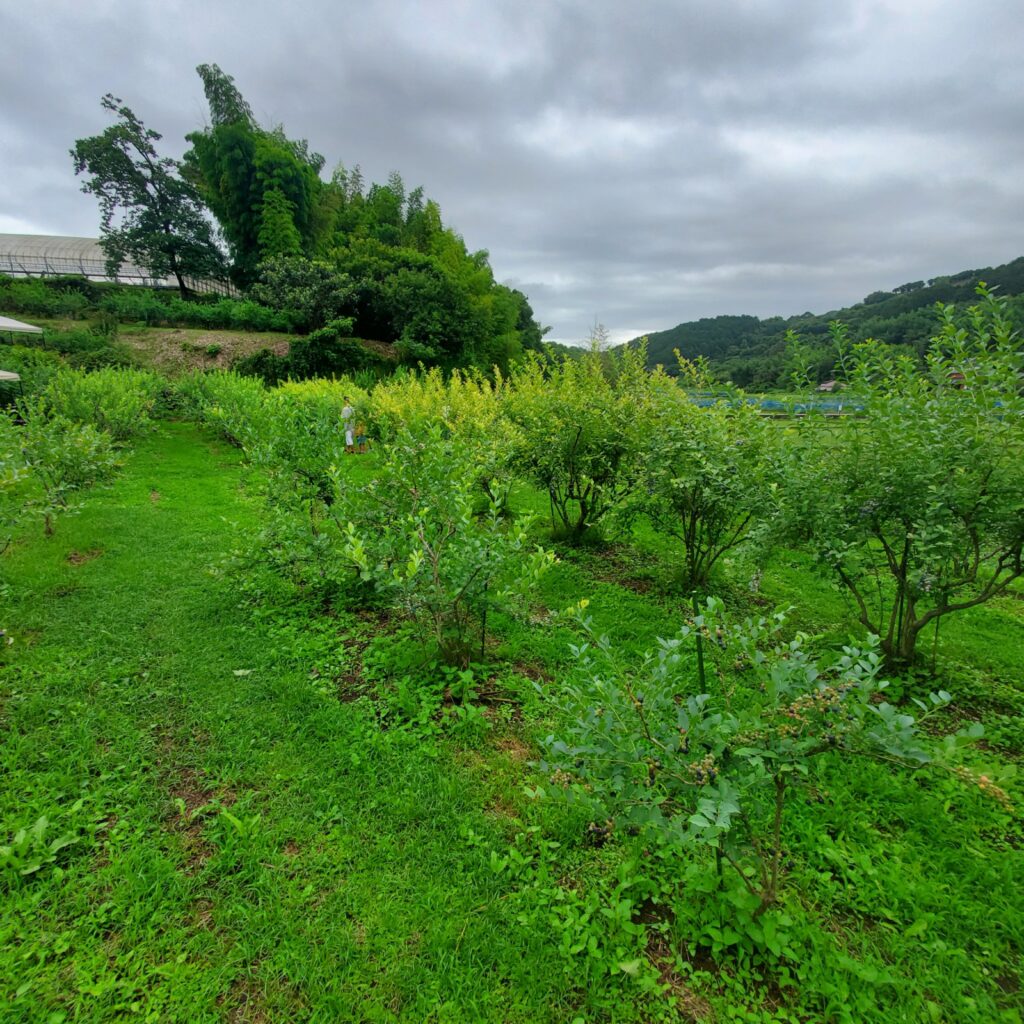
x: 895, y: 502
x: 67, y: 298
x: 898, y: 502
x: 66, y: 434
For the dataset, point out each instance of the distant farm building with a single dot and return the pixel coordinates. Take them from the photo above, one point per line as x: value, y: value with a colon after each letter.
x: 64, y: 255
x: 828, y: 386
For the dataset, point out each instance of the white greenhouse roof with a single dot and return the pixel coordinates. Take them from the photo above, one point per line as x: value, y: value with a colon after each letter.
x: 57, y: 255
x: 9, y: 326
x: 43, y: 255
x: 8, y: 375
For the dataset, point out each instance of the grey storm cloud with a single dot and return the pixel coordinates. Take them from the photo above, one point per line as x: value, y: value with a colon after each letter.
x: 637, y: 165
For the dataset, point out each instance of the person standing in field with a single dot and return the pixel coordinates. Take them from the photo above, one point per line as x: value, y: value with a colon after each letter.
x: 347, y: 415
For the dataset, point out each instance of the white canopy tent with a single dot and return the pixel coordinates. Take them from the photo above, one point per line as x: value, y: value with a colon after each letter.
x: 8, y: 380
x: 12, y: 327
x: 9, y: 326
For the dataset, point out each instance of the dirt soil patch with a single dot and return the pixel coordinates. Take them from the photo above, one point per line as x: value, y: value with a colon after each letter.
x: 691, y: 1006
x: 245, y: 1003
x: 617, y: 565
x: 175, y: 350
x: 516, y: 748
x: 350, y: 683
x: 190, y: 796
x: 81, y: 557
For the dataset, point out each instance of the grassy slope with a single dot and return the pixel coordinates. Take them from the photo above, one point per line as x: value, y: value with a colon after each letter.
x: 357, y: 883
x: 177, y: 350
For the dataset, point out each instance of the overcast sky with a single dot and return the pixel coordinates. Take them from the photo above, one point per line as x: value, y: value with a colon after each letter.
x: 638, y: 165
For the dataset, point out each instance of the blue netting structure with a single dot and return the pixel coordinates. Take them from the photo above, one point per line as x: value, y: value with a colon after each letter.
x: 830, y: 405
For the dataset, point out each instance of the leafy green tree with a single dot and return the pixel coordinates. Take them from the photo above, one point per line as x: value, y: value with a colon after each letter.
x: 263, y: 188
x: 431, y: 316
x: 531, y: 334
x: 149, y: 213
x: 278, y: 235
x: 409, y: 298
x: 312, y: 291
x: 415, y: 283
x: 227, y: 105
x: 917, y: 503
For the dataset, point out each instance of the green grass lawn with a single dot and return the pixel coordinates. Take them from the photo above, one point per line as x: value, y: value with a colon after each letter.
x: 259, y: 836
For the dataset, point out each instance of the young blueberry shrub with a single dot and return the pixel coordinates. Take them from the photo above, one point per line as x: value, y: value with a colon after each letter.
x: 714, y: 771
x: 13, y: 475
x: 915, y: 504
x: 466, y: 403
x: 413, y: 533
x: 119, y: 401
x: 572, y: 437
x: 300, y: 438
x: 707, y: 471
x: 61, y: 458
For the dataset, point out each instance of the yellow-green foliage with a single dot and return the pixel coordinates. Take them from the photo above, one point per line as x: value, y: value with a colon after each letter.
x: 326, y: 395
x: 576, y: 428
x: 302, y: 433
x: 467, y: 403
x: 231, y: 403
x: 118, y: 401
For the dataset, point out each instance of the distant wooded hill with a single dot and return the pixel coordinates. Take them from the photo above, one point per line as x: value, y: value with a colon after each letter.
x: 751, y: 352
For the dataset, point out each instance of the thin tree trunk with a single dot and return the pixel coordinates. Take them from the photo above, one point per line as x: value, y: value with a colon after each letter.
x: 702, y: 679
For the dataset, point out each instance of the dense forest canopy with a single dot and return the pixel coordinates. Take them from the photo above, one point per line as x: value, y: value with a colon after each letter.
x: 374, y: 261
x: 752, y: 352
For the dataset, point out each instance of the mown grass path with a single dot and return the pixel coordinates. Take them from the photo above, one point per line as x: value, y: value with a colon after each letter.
x: 249, y: 847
